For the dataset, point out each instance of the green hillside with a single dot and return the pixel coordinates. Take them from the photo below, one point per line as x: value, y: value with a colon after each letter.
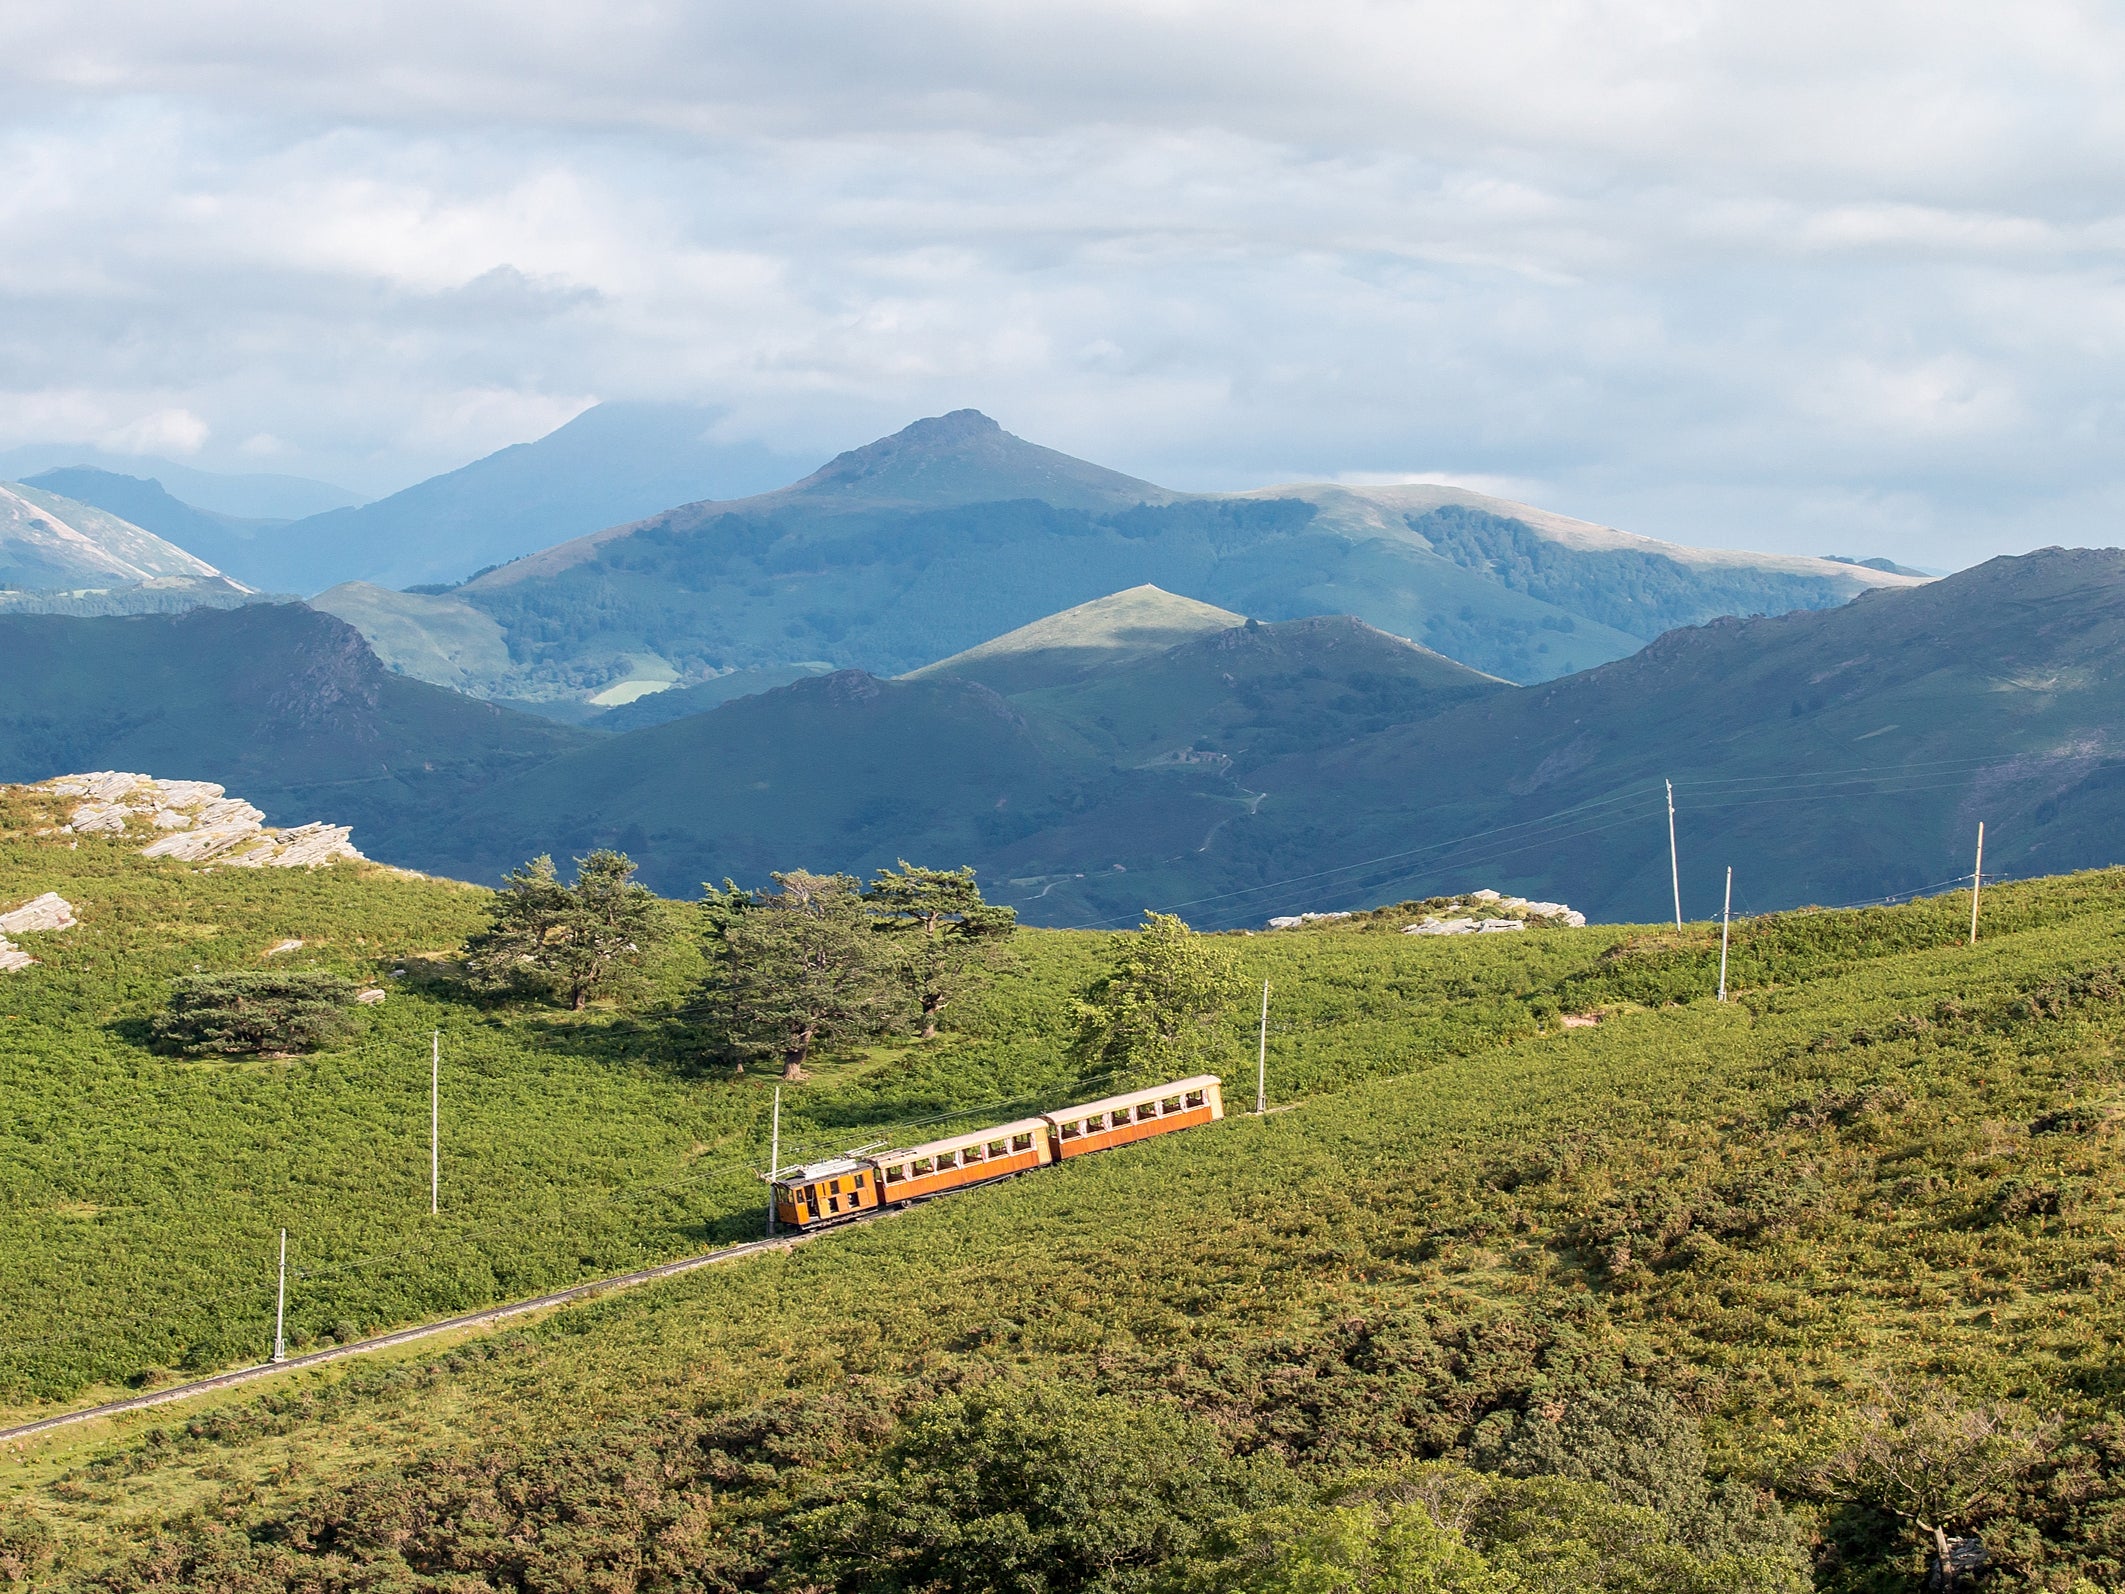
x: 283, y: 705
x: 1693, y: 1299
x: 1066, y: 647
x: 1140, y: 758
x: 1828, y: 757
x: 940, y: 537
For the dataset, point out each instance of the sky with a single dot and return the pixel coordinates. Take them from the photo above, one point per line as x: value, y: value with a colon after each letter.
x: 1815, y: 277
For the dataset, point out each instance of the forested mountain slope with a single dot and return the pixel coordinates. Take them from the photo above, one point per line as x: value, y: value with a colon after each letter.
x: 1143, y: 758
x: 1828, y: 757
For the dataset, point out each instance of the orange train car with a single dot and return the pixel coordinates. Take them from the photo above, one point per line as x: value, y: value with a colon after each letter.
x: 843, y: 1188
x: 1136, y: 1115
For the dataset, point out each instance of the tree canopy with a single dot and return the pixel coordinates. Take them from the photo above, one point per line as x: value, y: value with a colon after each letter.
x: 565, y: 942
x: 256, y: 1010
x: 945, y: 938
x: 792, y: 968
x: 1152, y: 1014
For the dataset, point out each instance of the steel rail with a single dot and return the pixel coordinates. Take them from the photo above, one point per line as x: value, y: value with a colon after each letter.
x: 419, y: 1331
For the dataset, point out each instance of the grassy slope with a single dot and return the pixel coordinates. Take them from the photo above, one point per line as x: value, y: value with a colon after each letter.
x: 1859, y: 1171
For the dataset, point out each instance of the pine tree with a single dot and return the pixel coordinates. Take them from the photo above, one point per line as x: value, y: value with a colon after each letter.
x: 254, y: 1011
x: 563, y: 942
x: 946, y: 940
x: 793, y: 968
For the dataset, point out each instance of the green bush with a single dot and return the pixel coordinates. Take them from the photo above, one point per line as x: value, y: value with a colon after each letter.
x: 250, y: 1012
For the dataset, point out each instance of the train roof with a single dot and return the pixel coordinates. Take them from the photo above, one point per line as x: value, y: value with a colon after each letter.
x: 1129, y: 1098
x: 832, y: 1168
x: 973, y: 1137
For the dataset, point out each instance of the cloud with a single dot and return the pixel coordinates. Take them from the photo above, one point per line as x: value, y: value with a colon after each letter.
x: 1700, y: 268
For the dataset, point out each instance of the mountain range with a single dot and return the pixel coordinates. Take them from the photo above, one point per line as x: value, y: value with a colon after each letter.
x: 1140, y: 751
x: 917, y: 546
x: 934, y: 539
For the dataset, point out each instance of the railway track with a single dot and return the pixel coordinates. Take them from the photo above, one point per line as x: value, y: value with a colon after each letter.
x: 407, y: 1336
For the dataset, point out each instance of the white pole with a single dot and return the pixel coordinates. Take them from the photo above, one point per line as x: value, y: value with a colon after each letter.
x: 1725, y: 915
x: 1977, y: 876
x: 774, y: 1161
x: 1261, y: 1059
x: 435, y: 1123
x: 1674, y: 871
x: 280, y: 1305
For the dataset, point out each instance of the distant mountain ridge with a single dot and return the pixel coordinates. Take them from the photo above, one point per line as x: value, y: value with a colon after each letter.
x: 62, y: 555
x: 952, y: 530
x: 1248, y: 771
x: 611, y: 464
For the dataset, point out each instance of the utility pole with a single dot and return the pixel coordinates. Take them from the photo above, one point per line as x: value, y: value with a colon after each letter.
x: 1726, y: 914
x: 774, y: 1161
x: 1261, y: 1059
x: 280, y: 1305
x: 1674, y: 871
x: 435, y: 1123
x: 1977, y: 876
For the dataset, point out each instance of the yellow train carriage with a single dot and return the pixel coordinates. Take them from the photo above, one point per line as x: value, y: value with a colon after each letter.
x: 825, y: 1192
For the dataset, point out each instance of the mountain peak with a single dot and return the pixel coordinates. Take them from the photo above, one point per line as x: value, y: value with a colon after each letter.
x: 963, y: 457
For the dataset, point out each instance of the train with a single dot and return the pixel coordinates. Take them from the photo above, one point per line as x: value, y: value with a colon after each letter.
x: 844, y: 1188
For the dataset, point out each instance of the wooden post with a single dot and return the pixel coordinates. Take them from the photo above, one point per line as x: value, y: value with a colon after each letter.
x: 1674, y: 871
x: 774, y: 1161
x: 1977, y: 877
x: 1261, y: 1059
x: 1726, y: 915
x: 435, y: 1123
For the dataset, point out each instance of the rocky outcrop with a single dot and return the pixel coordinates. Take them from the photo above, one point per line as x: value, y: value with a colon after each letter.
x: 39, y: 916
x: 198, y: 820
x: 1492, y: 913
x: 48, y: 912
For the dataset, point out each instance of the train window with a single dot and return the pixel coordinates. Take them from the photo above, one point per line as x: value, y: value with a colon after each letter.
x: 1195, y: 1098
x: 811, y: 1194
x: 896, y: 1173
x: 947, y: 1159
x: 834, y: 1187
x: 1095, y: 1122
x: 970, y: 1154
x: 1146, y: 1111
x: 1072, y: 1131
x: 857, y: 1182
x: 923, y: 1165
x: 1022, y: 1142
x: 833, y: 1203
x: 999, y: 1148
x: 1170, y: 1104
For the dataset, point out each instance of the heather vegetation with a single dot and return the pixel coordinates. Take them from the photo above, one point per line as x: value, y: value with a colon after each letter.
x: 1795, y: 1290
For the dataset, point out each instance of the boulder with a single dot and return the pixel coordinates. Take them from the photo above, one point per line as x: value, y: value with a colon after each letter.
x: 48, y: 912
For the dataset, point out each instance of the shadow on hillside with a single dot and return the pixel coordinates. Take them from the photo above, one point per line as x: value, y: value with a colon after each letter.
x: 666, y: 1045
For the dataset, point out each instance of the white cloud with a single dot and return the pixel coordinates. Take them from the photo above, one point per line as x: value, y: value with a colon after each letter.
x: 1696, y: 267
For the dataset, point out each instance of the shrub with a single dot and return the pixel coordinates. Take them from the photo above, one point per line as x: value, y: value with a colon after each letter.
x: 246, y: 1013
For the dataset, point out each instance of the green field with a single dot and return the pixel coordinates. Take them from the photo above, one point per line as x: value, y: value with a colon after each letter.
x: 1886, y: 1175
